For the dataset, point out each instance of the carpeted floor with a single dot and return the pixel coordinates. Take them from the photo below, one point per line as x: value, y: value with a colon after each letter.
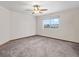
x: 39, y: 46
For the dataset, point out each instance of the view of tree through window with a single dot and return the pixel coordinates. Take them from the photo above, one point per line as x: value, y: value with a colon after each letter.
x: 51, y: 23
x: 46, y: 23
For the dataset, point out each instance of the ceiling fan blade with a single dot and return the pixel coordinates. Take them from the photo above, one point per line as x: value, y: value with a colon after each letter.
x: 28, y: 10
x: 43, y: 9
x: 40, y: 12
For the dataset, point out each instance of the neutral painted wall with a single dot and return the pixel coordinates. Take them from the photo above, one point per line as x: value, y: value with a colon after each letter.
x: 4, y: 25
x: 22, y: 25
x: 15, y: 25
x: 68, y: 27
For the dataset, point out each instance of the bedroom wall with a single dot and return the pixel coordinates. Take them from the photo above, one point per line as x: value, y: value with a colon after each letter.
x: 14, y: 25
x: 4, y: 25
x: 22, y: 25
x: 68, y: 27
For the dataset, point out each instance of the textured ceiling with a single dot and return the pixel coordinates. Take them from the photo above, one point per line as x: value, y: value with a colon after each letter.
x: 52, y: 6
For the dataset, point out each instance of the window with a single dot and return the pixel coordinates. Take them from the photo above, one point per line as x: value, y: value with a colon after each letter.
x: 46, y: 23
x: 54, y: 23
x: 51, y: 23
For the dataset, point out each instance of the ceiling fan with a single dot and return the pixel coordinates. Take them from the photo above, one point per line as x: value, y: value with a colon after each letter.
x: 36, y: 9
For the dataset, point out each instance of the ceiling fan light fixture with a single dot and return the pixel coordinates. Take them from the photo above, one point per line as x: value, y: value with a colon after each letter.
x: 37, y: 10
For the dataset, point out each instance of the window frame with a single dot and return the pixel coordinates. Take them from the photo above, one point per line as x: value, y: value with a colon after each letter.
x: 50, y: 23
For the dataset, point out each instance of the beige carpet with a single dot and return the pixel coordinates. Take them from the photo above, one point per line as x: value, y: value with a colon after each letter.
x: 38, y: 46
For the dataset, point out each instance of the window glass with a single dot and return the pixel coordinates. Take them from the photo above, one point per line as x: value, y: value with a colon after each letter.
x: 54, y: 23
x: 46, y: 23
x: 51, y: 23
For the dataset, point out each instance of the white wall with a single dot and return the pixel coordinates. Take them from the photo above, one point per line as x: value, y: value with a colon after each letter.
x: 22, y: 25
x: 68, y: 28
x: 4, y: 25
x: 15, y: 25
